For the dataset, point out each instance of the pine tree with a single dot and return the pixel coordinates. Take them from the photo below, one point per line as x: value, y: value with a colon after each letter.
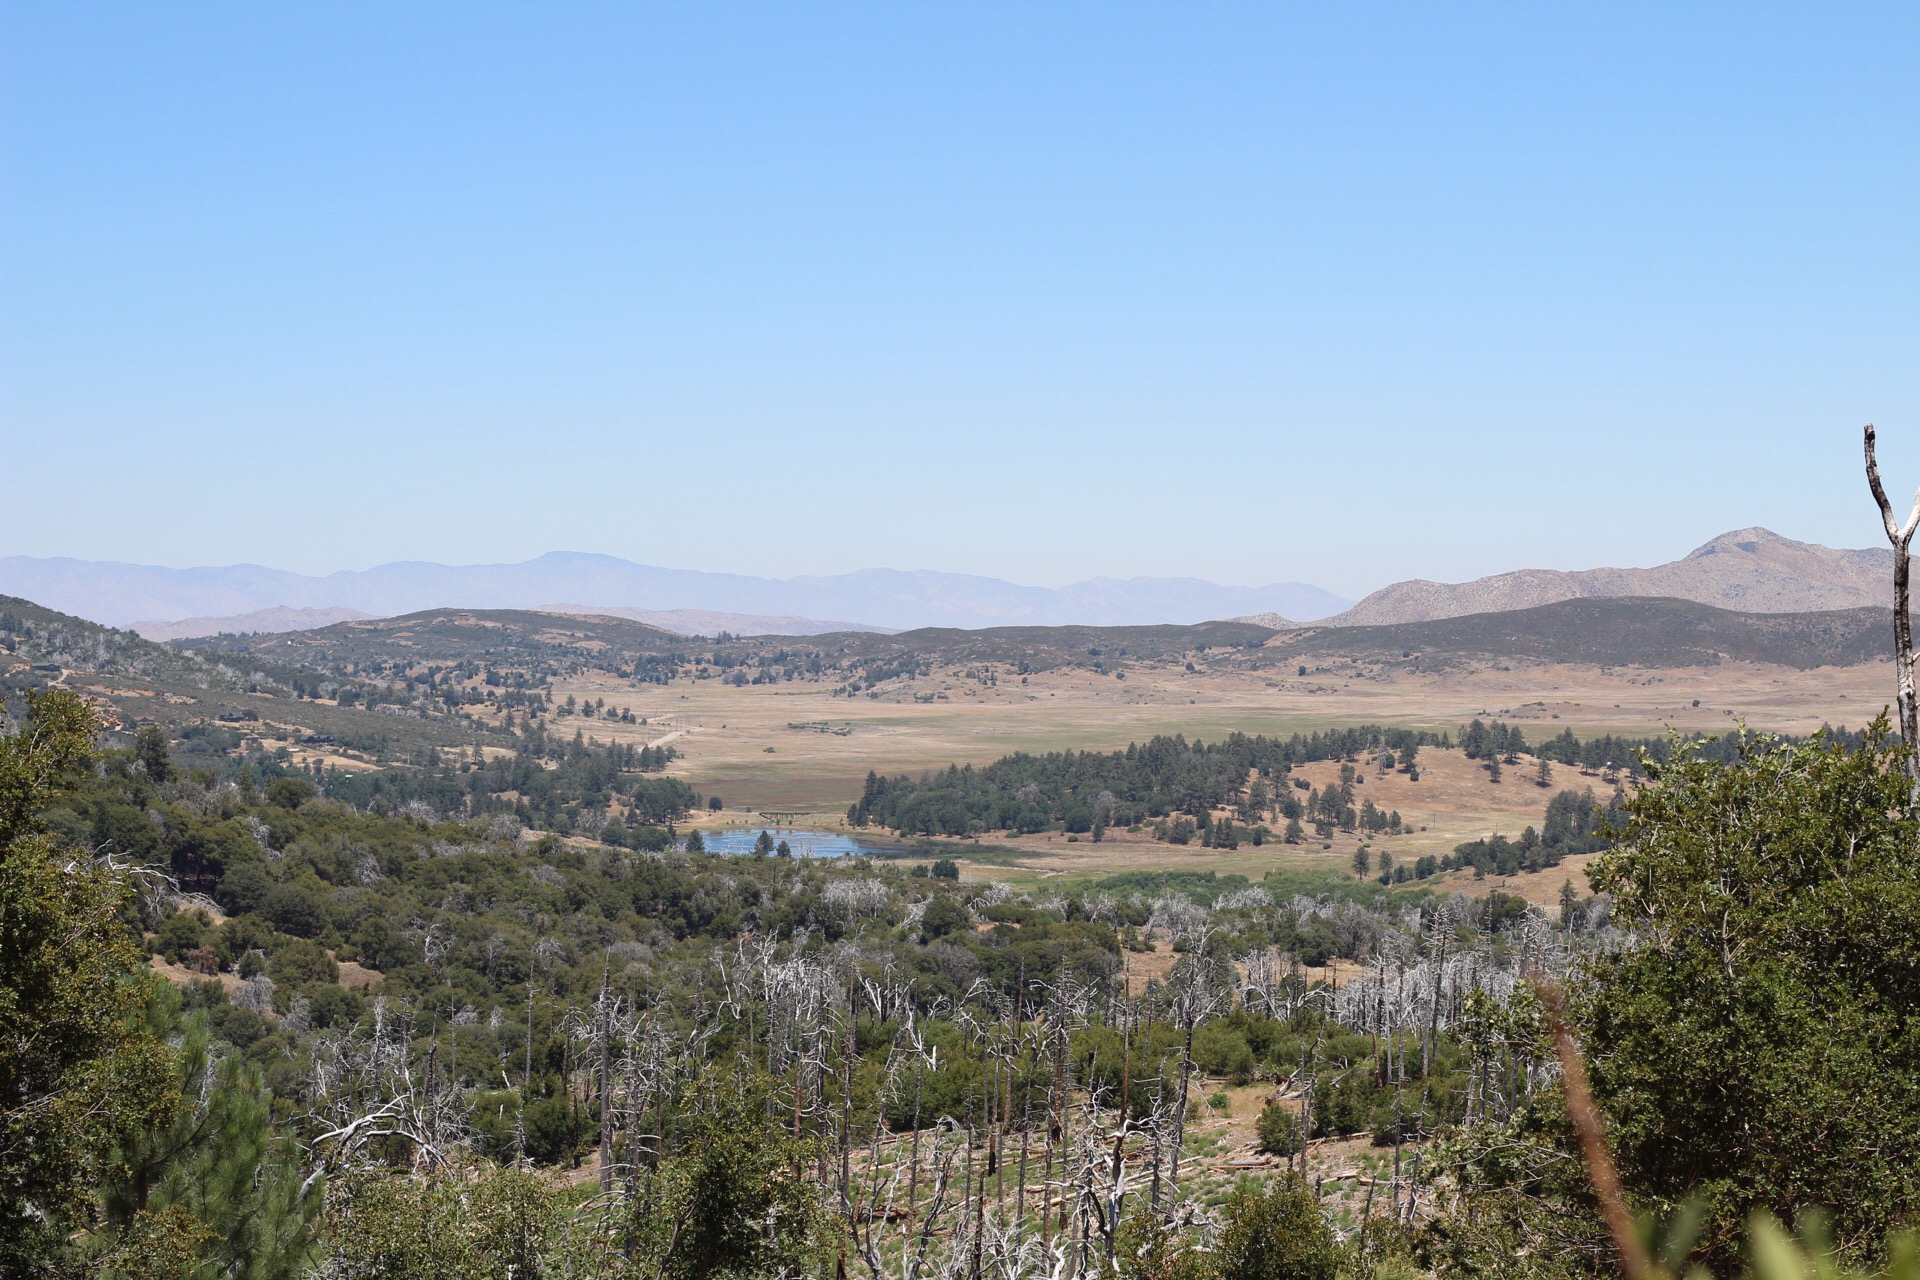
x: 73, y: 1067
x: 212, y: 1172
x: 150, y: 747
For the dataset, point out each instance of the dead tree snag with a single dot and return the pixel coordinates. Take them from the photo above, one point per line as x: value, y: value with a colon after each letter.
x: 1901, y: 536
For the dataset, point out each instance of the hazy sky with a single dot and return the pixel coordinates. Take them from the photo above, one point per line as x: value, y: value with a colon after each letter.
x: 1338, y: 293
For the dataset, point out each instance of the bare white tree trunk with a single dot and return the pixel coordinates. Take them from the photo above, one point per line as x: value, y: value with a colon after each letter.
x: 1198, y: 994
x: 1901, y: 536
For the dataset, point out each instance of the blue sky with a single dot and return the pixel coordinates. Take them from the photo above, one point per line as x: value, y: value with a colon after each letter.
x: 1342, y: 294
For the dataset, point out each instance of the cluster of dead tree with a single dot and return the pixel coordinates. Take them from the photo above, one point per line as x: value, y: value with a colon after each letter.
x: 1014, y: 1131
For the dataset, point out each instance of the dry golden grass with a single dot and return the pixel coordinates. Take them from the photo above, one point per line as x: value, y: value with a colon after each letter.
x: 725, y: 730
x: 181, y: 976
x: 356, y: 977
x: 742, y: 742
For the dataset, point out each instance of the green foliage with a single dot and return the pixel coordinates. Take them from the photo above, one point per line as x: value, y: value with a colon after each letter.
x: 1771, y: 1013
x: 1201, y: 886
x: 150, y: 747
x: 1276, y: 1233
x: 1069, y: 790
x: 945, y: 914
x: 1148, y: 1247
x: 1482, y: 741
x: 492, y: 948
x: 73, y: 1067
x: 1640, y: 631
x: 213, y: 1173
x: 481, y: 1223
x: 1574, y: 823
x: 288, y: 793
x: 167, y: 1244
x: 1277, y: 1131
x: 735, y: 1202
x: 549, y: 782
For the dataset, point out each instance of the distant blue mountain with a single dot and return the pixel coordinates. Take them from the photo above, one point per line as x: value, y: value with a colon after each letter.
x: 118, y: 594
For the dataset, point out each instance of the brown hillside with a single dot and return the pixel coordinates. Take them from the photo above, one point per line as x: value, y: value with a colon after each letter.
x: 1751, y: 570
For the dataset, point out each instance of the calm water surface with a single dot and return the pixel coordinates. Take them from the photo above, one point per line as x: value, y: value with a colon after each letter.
x: 806, y: 844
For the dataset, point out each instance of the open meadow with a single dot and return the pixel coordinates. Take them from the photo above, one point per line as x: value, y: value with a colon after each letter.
x: 799, y: 748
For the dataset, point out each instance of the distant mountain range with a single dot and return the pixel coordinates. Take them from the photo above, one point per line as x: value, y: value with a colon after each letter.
x: 1749, y: 570
x: 259, y: 622
x: 119, y: 594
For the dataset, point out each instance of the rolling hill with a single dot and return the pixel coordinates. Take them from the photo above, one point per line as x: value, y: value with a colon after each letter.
x: 132, y: 678
x: 35, y: 636
x: 455, y: 635
x: 1621, y: 631
x: 513, y: 637
x: 1605, y: 631
x: 710, y: 622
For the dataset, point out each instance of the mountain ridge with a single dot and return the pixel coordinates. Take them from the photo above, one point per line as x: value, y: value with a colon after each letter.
x: 1643, y: 631
x: 710, y: 622
x: 1752, y: 570
x: 277, y: 619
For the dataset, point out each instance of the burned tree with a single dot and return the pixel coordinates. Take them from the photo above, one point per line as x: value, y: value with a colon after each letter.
x: 1901, y: 536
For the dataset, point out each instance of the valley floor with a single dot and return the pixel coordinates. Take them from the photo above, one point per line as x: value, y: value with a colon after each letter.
x: 797, y: 748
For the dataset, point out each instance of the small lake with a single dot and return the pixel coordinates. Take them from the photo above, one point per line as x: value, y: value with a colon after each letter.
x: 805, y: 844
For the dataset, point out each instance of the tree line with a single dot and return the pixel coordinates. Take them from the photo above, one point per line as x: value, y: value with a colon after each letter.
x: 1085, y: 792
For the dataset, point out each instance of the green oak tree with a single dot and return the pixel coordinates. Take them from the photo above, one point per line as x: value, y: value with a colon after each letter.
x: 1759, y: 1049
x: 76, y: 1063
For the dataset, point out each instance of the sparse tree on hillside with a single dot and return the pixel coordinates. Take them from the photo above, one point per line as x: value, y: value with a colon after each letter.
x: 150, y: 747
